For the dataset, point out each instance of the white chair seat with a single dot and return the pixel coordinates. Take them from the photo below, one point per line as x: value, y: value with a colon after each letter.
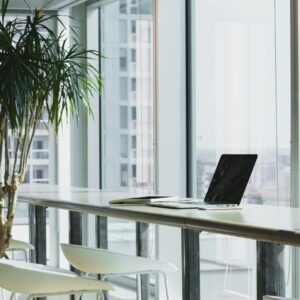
x: 98, y: 261
x: 15, y: 245
x: 33, y: 279
x: 277, y: 298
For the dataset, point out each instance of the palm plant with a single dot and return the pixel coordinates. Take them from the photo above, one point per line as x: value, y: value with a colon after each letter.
x: 38, y: 73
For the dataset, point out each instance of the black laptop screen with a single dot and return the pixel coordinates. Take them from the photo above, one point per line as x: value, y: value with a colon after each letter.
x: 230, y: 178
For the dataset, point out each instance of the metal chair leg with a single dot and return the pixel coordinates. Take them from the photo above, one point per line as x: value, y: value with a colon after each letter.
x: 166, y: 285
x: 26, y: 255
x: 12, y: 296
x: 100, y: 296
x: 139, y: 287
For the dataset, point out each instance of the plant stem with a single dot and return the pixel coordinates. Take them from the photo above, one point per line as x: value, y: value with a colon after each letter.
x: 27, y: 128
x: 36, y: 120
x: 2, y: 122
x: 11, y: 196
x: 4, y: 238
x: 1, y: 151
x: 17, y: 150
x: 2, y: 205
x: 7, y: 159
x: 33, y: 120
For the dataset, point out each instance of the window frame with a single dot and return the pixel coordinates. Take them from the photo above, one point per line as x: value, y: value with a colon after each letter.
x: 126, y: 281
x: 294, y: 126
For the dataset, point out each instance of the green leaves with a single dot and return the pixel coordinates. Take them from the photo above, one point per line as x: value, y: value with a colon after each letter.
x: 4, y: 8
x: 38, y: 69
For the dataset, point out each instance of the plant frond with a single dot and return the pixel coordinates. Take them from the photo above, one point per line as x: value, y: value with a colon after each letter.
x: 38, y: 67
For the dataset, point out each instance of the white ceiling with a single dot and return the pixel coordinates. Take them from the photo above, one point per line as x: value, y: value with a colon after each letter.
x: 51, y: 4
x: 55, y: 4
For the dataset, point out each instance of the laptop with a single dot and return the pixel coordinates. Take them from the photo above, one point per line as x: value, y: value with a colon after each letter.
x: 226, y: 188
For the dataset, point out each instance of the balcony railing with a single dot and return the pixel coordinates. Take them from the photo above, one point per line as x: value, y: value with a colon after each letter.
x: 40, y: 154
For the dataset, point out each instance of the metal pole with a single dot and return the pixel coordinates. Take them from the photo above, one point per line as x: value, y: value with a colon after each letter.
x: 294, y: 134
x: 142, y: 249
x: 37, y: 235
x: 75, y: 231
x: 190, y: 264
x: 270, y: 271
x: 102, y: 240
x: 37, y: 228
x: 31, y: 220
x: 190, y: 239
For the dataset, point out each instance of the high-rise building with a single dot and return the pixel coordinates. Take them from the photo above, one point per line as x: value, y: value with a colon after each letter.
x: 127, y: 102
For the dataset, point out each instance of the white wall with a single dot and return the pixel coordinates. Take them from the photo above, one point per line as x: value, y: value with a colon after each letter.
x: 170, y: 131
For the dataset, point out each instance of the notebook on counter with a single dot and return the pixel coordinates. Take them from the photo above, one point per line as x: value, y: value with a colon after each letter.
x: 226, y: 188
x: 142, y: 200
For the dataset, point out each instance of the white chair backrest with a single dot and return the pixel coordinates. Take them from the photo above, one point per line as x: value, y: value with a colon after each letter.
x: 100, y: 261
x: 28, y: 278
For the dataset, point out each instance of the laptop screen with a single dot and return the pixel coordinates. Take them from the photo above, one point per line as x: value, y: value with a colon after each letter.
x: 230, y: 179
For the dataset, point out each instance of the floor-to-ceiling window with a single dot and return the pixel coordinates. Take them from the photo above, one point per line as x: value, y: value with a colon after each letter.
x: 241, y: 104
x: 127, y: 100
x: 127, y: 138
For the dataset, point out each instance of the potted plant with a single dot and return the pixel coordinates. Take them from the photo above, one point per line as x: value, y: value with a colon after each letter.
x: 38, y: 72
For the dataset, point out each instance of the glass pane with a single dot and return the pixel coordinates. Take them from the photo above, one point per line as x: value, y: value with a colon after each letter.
x: 242, y: 100
x: 124, y: 146
x: 124, y: 89
x: 123, y: 117
x: 123, y: 59
x: 127, y: 108
x: 123, y: 31
x: 241, y: 94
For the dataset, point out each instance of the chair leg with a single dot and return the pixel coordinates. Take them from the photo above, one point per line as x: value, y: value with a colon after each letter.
x: 12, y: 296
x: 166, y: 285
x: 26, y: 255
x: 100, y: 296
x: 139, y: 287
x: 104, y: 294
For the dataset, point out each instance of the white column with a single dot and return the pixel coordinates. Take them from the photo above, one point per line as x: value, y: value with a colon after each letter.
x: 78, y: 139
x: 171, y: 126
x: 93, y: 125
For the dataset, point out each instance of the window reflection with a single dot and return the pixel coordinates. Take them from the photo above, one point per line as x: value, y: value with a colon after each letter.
x: 241, y: 94
x: 127, y: 109
x: 127, y: 99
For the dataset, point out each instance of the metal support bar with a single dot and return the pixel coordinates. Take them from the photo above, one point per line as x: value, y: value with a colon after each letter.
x: 37, y: 227
x: 31, y: 220
x: 101, y: 232
x: 37, y: 235
x: 75, y: 231
x: 190, y: 240
x: 270, y: 270
x: 142, y: 249
x: 102, y: 241
x: 75, y: 235
x: 294, y: 40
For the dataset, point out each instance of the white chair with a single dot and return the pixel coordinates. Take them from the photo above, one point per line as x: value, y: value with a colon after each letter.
x: 277, y: 298
x: 16, y: 245
x: 239, y: 254
x: 41, y: 281
x: 107, y: 263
